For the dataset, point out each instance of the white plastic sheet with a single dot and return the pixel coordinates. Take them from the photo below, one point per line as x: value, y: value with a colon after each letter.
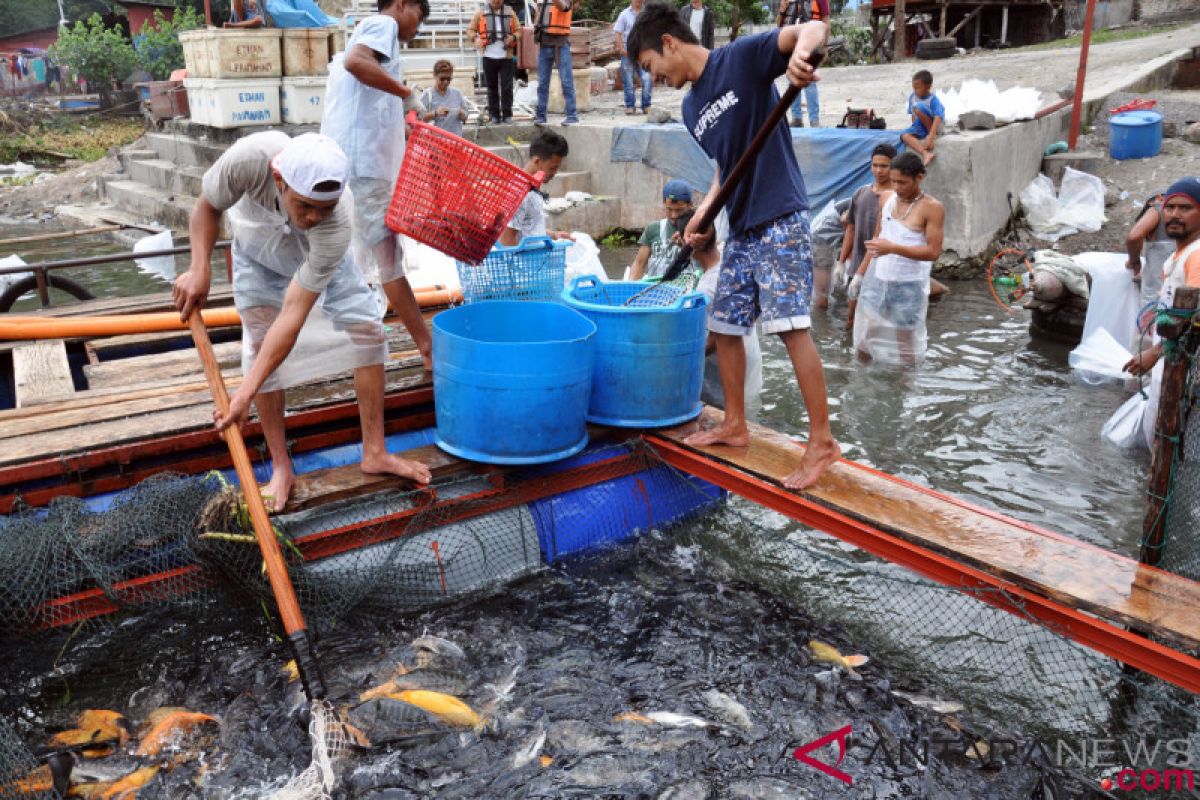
x: 1114, y: 299
x: 426, y: 267
x: 1099, y: 358
x: 1077, y: 206
x: 8, y: 280
x: 1010, y: 105
x: 162, y: 267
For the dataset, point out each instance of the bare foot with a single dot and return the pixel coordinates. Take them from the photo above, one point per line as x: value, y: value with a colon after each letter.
x: 817, y: 456
x: 395, y: 465
x: 730, y: 435
x: 276, y: 493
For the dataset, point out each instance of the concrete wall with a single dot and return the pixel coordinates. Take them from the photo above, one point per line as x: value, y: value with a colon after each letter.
x: 636, y: 188
x: 1150, y: 9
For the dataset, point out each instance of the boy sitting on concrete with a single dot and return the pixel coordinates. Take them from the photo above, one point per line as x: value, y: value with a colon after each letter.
x: 444, y: 105
x: 546, y: 154
x: 928, y: 117
x: 661, y: 239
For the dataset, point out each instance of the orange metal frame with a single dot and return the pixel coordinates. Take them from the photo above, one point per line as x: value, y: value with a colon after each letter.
x: 1097, y: 634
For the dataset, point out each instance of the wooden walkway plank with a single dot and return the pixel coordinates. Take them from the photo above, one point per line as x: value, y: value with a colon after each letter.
x: 70, y: 441
x: 41, y: 372
x: 339, y: 483
x: 1072, y: 573
x: 157, y: 366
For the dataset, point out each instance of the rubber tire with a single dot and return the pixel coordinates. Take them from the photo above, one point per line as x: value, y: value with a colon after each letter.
x: 27, y: 284
x: 932, y: 49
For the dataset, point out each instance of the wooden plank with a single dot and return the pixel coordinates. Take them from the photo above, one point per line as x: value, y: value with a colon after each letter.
x: 339, y: 483
x: 157, y: 366
x: 118, y: 410
x: 1070, y: 572
x: 219, y: 295
x: 91, y: 398
x: 67, y: 441
x: 41, y: 372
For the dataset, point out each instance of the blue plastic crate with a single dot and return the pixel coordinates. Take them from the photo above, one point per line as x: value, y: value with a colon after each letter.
x: 533, y: 270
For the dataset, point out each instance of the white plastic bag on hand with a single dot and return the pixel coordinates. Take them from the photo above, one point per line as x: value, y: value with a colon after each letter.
x: 1124, y: 427
x: 1099, y: 359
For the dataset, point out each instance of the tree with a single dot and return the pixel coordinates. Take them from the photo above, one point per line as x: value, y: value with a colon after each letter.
x: 158, y: 49
x: 102, y: 55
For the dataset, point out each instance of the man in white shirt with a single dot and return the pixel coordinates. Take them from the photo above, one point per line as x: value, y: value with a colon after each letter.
x: 546, y: 154
x: 624, y: 25
x: 291, y: 239
x: 364, y: 114
x: 699, y: 18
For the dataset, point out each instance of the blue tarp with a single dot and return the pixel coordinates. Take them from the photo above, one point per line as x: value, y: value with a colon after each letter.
x: 298, y: 14
x: 835, y: 161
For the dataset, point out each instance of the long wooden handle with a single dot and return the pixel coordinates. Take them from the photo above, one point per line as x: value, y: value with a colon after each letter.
x: 268, y: 545
x: 740, y: 169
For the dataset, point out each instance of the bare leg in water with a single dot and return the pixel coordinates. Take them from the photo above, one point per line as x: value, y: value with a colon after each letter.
x: 270, y: 415
x: 731, y: 360
x: 821, y: 450
x: 368, y: 386
x: 400, y: 295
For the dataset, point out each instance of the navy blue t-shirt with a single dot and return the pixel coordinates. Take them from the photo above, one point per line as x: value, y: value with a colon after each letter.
x: 727, y: 105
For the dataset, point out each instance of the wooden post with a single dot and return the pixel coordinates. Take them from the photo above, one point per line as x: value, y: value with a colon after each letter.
x: 901, y: 46
x: 1167, y: 427
x: 942, y: 24
x: 1004, y: 25
x: 978, y: 26
x: 208, y: 13
x: 1081, y: 75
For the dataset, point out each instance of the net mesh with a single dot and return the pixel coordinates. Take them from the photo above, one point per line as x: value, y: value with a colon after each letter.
x: 533, y: 270
x: 1181, y: 549
x: 660, y: 295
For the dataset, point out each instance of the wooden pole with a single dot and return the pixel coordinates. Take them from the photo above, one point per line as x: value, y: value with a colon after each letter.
x: 901, y: 46
x: 1081, y: 75
x: 46, y: 237
x: 942, y: 24
x: 1167, y: 426
x: 268, y: 545
x: 208, y: 13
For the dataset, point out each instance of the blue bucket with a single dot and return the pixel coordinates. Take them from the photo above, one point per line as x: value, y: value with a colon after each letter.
x: 1135, y: 134
x: 511, y: 381
x: 649, y: 365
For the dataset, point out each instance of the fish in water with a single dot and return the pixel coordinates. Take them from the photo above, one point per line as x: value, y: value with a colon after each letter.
x: 440, y: 646
x: 95, y: 727
x: 127, y: 788
x: 829, y: 654
x: 667, y: 718
x: 933, y: 703
x: 166, y: 725
x: 728, y: 709
x: 530, y: 751
x: 445, y: 707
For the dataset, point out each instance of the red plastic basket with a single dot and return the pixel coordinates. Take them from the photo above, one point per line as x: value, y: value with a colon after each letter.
x: 453, y: 195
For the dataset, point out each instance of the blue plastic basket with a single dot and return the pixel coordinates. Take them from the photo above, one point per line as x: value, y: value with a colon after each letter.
x: 533, y: 270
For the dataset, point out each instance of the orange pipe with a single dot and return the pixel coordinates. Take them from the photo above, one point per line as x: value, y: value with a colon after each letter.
x: 14, y: 326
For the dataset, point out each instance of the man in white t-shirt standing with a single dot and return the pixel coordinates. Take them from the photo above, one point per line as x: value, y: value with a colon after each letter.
x: 546, y: 154
x: 699, y: 18
x: 364, y: 113
x: 625, y: 21
x: 291, y: 238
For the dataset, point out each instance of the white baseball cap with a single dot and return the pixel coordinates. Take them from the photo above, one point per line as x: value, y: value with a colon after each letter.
x: 309, y: 160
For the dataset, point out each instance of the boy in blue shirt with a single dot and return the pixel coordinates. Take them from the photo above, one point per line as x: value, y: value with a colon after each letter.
x: 928, y: 117
x: 766, y: 274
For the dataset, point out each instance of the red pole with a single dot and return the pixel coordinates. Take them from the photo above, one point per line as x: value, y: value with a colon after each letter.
x: 1077, y: 107
x: 208, y: 13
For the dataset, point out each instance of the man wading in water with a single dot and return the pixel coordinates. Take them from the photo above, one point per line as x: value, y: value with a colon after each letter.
x: 766, y: 273
x: 291, y: 237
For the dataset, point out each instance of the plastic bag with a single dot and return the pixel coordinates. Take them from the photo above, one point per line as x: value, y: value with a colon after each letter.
x: 1010, y: 105
x: 160, y: 266
x: 8, y: 280
x: 1124, y: 427
x: 1077, y: 206
x: 827, y: 225
x: 426, y: 267
x: 583, y: 258
x: 1113, y: 300
x: 889, y: 324
x: 1099, y: 359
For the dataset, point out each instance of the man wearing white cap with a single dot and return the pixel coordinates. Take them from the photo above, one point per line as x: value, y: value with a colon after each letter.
x: 291, y: 239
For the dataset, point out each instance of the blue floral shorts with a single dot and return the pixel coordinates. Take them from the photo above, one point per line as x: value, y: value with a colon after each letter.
x: 766, y: 277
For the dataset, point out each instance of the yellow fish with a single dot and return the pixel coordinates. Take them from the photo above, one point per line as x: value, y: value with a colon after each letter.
x: 829, y: 654
x: 546, y: 761
x: 94, y: 726
x: 291, y: 670
x: 445, y: 707
x: 633, y: 716
x: 164, y: 724
x: 127, y: 788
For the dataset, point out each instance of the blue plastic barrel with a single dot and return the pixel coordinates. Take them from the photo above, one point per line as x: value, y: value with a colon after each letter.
x: 511, y: 381
x: 1135, y: 134
x: 649, y: 365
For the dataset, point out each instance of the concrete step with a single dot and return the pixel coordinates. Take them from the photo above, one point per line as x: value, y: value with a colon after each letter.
x: 131, y: 153
x: 169, y: 209
x: 184, y: 150
x: 163, y: 174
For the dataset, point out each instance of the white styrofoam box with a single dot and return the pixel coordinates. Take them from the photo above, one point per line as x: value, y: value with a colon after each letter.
x: 302, y: 100
x: 241, y: 102
x: 197, y: 91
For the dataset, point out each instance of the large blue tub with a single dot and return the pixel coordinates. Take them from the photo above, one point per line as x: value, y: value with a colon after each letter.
x: 1135, y: 134
x: 511, y: 381
x: 649, y: 366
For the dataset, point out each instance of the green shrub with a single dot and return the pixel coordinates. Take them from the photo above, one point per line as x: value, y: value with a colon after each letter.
x: 102, y: 55
x: 158, y: 49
